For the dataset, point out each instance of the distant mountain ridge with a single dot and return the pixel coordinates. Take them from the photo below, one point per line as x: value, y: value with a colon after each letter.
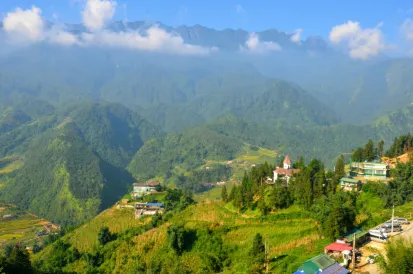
x: 226, y: 39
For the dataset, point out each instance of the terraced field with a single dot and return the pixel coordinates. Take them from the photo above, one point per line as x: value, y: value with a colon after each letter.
x: 21, y: 228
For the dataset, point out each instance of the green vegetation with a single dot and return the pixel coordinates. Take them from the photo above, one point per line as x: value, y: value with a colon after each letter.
x: 17, y: 262
x: 20, y: 227
x: 182, y: 152
x: 399, y: 257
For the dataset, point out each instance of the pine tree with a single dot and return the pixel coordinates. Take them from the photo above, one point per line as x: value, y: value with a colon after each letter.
x: 339, y: 169
x: 231, y: 196
x: 281, y: 163
x: 19, y: 261
x: 257, y: 254
x: 358, y: 155
x: 301, y: 164
x: 369, y: 154
x: 380, y: 147
x: 224, y: 194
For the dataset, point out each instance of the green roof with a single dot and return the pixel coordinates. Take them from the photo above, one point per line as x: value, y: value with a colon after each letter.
x: 358, y: 233
x: 349, y: 180
x: 309, y: 267
x: 316, y: 263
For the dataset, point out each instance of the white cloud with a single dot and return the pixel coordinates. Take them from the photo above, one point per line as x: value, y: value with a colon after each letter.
x: 156, y: 39
x: 362, y: 43
x: 253, y: 44
x: 239, y: 9
x: 296, y: 37
x: 98, y: 13
x: 24, y: 25
x: 407, y: 30
x: 58, y: 35
x: 29, y: 26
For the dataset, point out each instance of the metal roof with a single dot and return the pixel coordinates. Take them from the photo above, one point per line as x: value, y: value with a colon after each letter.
x: 336, y: 269
x: 349, y: 180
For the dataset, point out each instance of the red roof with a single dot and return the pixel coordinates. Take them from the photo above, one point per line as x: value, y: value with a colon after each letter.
x: 338, y: 247
x: 287, y: 160
x: 152, y: 183
x: 283, y: 171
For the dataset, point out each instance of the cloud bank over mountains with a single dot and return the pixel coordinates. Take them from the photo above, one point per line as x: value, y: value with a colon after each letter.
x: 29, y: 26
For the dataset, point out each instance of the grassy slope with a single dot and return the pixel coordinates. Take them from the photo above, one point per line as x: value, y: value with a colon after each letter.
x: 286, y: 232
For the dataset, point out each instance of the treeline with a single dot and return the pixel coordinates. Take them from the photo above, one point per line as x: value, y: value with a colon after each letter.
x: 313, y: 188
x: 369, y: 152
x: 399, y: 190
x: 401, y: 145
x: 193, y: 181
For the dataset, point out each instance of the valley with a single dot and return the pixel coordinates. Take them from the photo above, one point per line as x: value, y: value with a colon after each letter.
x: 132, y: 145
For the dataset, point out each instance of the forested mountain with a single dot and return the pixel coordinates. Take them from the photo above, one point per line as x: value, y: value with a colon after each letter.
x: 74, y: 160
x: 113, y: 131
x: 184, y: 151
x: 61, y: 179
x: 361, y: 93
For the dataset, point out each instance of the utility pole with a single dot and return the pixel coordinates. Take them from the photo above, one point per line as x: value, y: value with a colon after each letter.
x: 267, y: 259
x: 392, y: 220
x: 353, y: 259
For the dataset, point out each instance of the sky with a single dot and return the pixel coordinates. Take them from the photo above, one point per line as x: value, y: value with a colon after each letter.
x: 387, y: 21
x: 315, y: 17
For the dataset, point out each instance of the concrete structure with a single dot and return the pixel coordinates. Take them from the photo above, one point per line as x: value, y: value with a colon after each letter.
x: 142, y: 189
x: 142, y: 209
x: 369, y: 169
x: 350, y: 184
x: 285, y: 172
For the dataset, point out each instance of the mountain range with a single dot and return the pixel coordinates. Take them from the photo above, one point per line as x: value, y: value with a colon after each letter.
x: 82, y: 123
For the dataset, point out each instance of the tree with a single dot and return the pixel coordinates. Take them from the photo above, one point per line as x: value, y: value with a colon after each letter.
x: 104, y: 235
x: 399, y: 257
x: 176, y: 238
x: 358, y: 155
x: 18, y: 262
x: 301, y: 164
x: 339, y: 169
x: 281, y: 163
x: 380, y: 146
x: 224, y: 194
x: 257, y: 254
x: 369, y: 154
x: 231, y: 196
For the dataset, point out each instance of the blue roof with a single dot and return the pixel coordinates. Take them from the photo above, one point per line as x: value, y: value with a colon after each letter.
x: 155, y: 204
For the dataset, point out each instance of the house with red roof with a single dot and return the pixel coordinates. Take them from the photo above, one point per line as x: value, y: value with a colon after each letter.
x: 286, y: 171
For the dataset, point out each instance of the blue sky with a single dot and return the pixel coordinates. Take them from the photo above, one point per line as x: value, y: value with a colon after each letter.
x: 315, y: 17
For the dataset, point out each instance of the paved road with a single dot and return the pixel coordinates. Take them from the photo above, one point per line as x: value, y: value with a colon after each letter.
x: 369, y: 248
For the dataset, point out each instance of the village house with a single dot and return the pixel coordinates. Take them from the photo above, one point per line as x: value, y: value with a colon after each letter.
x: 350, y: 184
x: 142, y: 209
x: 286, y: 171
x: 369, y: 169
x: 337, y: 248
x: 142, y: 189
x: 321, y: 264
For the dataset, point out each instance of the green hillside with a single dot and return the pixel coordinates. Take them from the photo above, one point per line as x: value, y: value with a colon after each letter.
x: 62, y: 179
x: 182, y: 152
x: 210, y: 227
